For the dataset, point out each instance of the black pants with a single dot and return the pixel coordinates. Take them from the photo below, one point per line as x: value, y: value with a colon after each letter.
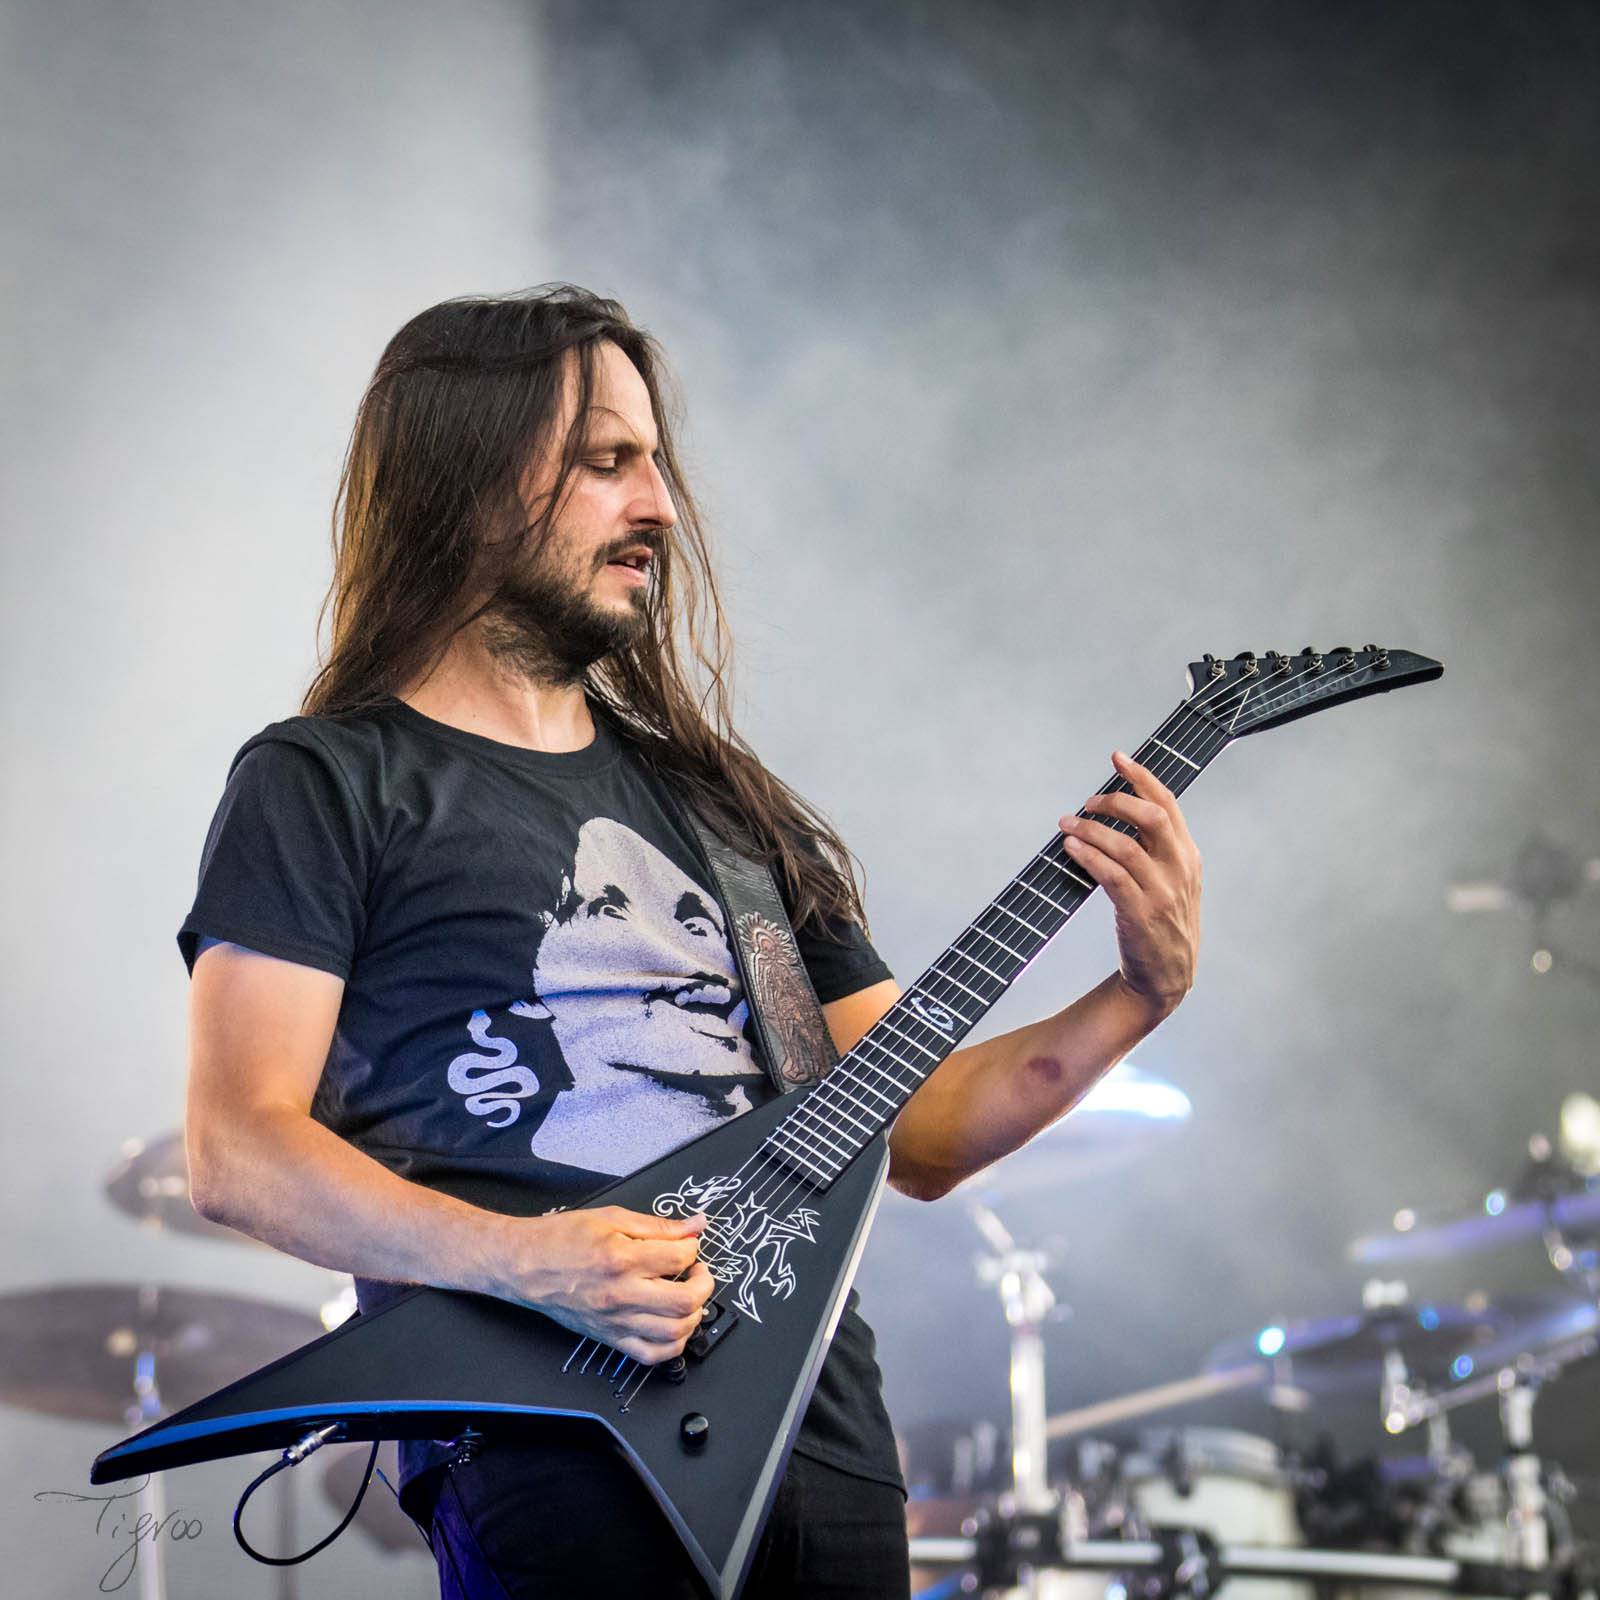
x: 519, y: 1524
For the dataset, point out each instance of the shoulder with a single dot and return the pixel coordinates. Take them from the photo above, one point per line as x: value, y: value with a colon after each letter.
x: 335, y: 768
x: 351, y: 748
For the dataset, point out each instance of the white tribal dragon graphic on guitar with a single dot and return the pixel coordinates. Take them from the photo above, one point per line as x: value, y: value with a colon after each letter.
x: 750, y: 1246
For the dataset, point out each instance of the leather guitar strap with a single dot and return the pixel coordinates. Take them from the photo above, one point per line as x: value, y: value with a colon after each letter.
x: 792, y: 1035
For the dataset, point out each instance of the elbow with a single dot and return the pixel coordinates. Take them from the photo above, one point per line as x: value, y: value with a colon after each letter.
x: 211, y: 1193
x: 921, y: 1185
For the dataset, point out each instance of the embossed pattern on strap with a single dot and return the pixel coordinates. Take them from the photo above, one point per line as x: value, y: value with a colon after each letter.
x: 791, y: 1031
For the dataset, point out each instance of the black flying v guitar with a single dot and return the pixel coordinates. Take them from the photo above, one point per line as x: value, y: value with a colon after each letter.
x: 789, y: 1190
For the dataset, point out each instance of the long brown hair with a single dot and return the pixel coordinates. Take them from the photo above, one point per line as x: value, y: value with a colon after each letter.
x: 463, y: 397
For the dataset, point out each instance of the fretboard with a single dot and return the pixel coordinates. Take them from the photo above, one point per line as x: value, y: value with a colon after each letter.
x: 865, y: 1091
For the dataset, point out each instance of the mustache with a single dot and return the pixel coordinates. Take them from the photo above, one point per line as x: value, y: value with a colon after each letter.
x: 652, y: 538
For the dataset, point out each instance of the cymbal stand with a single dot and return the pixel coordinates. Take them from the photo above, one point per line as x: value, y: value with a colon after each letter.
x: 143, y: 1409
x: 1027, y: 1300
x: 1530, y: 1530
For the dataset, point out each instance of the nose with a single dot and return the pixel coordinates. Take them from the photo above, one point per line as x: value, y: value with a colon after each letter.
x: 653, y: 500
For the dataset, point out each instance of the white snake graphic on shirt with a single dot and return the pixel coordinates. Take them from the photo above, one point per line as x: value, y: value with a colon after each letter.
x: 636, y: 977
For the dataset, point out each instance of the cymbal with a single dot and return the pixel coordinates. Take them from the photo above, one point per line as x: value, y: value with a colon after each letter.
x: 1500, y: 1220
x: 1125, y: 1118
x: 75, y: 1350
x: 1440, y: 1344
x: 151, y: 1183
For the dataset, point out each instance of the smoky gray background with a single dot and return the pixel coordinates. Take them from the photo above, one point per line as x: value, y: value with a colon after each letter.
x: 1028, y: 351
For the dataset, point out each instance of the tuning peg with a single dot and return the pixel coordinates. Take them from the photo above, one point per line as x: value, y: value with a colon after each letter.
x: 1310, y: 652
x: 1214, y: 668
x: 1380, y: 656
x: 1347, y: 664
x: 1278, y: 663
x: 1247, y: 657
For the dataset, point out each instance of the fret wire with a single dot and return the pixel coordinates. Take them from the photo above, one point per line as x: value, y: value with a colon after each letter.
x: 843, y: 1072
x: 801, y: 1159
x: 1014, y: 954
x: 925, y: 986
x: 807, y: 1115
x: 839, y: 1111
x: 884, y: 1022
x: 1022, y: 883
x: 1059, y: 915
x: 791, y: 1130
x: 835, y: 1078
x: 795, y: 1127
x: 873, y: 1062
x: 1038, y: 933
x: 965, y: 956
x: 945, y: 977
x: 832, y: 1088
x: 798, y: 1126
x: 869, y: 1043
x: 1061, y: 866
x: 882, y: 1071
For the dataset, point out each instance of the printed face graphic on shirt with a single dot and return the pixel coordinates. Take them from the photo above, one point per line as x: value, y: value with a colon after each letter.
x: 636, y: 976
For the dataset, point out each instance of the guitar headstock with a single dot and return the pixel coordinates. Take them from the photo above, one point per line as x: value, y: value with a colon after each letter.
x: 1250, y: 692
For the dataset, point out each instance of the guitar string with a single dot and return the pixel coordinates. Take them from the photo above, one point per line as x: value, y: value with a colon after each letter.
x: 1212, y: 697
x: 769, y: 1199
x: 1162, y: 767
x: 1277, y: 695
x: 712, y: 1235
x: 1172, y: 761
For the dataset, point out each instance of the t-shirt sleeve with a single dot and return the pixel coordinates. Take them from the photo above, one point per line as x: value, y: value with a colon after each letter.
x: 285, y: 864
x: 841, y: 966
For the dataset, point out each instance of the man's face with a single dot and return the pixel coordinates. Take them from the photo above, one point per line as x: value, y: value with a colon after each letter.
x: 581, y: 592
x: 638, y: 975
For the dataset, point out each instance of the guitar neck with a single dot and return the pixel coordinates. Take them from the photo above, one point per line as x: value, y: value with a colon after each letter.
x: 864, y: 1093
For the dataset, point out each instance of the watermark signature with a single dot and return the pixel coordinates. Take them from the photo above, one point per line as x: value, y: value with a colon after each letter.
x: 119, y: 1521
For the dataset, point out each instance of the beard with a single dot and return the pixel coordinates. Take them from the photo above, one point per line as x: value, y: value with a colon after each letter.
x: 543, y: 624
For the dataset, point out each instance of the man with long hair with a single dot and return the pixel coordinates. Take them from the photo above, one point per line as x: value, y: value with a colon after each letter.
x: 457, y: 962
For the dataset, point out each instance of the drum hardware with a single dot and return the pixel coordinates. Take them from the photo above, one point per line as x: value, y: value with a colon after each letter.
x: 1160, y: 1397
x: 1039, y: 1548
x: 1118, y: 1122
x: 1026, y: 1300
x: 1552, y: 1202
x: 1412, y: 1351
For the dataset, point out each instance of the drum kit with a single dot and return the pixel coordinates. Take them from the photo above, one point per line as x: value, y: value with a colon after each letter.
x: 1128, y: 1510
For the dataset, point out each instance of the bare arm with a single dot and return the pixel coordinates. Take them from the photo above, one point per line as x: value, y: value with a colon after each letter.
x: 259, y: 1030
x: 986, y: 1100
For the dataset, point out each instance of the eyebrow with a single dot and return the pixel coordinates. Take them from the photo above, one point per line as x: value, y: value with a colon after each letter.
x: 617, y: 445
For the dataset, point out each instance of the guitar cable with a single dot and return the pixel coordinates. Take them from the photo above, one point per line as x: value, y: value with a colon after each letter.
x: 293, y: 1456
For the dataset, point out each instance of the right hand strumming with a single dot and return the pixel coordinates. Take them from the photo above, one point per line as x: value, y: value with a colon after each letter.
x: 633, y: 1281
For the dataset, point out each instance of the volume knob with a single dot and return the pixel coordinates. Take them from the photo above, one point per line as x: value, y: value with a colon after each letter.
x: 694, y: 1430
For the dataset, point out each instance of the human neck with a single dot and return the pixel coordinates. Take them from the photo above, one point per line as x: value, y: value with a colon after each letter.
x: 473, y: 690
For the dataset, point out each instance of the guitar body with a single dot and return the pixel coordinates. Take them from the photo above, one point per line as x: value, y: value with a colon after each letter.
x: 432, y: 1363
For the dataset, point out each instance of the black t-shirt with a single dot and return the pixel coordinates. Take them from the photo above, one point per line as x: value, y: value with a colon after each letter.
x: 510, y: 924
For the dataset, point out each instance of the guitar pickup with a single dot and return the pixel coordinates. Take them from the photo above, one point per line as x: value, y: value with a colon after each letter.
x: 717, y: 1321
